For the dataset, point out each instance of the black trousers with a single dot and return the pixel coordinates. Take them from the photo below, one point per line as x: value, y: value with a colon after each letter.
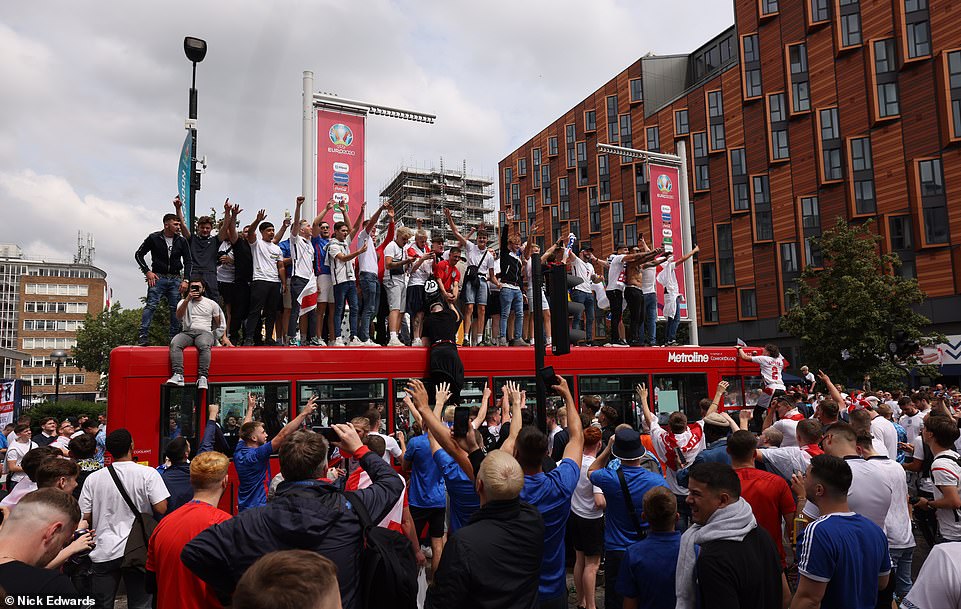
x: 617, y: 303
x: 612, y: 567
x: 635, y: 305
x: 264, y: 299
x: 237, y: 295
x: 380, y: 320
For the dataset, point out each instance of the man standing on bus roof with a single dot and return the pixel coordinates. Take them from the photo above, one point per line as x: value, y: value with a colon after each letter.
x: 252, y: 454
x: 203, y: 248
x: 166, y: 277
x: 772, y: 369
x: 269, y: 280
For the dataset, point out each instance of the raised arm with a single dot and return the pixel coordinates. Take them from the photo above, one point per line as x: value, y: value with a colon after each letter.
x: 482, y: 411
x: 516, y: 424
x: 744, y: 356
x: 439, y: 432
x: 373, y: 219
x: 252, y: 233
x: 179, y: 208
x: 642, y: 398
x: 283, y: 230
x: 251, y: 404
x: 357, y: 222
x: 453, y: 228
x: 718, y: 398
x: 684, y: 258
x: 298, y: 208
x: 602, y: 459
x: 315, y: 226
x: 575, y: 428
x: 294, y: 424
x: 835, y: 394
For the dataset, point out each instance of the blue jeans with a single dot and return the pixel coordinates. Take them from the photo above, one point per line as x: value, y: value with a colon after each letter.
x: 370, y: 289
x: 586, y: 299
x: 650, y: 318
x: 346, y: 291
x: 901, y: 570
x: 674, y: 322
x: 169, y: 288
x: 512, y: 301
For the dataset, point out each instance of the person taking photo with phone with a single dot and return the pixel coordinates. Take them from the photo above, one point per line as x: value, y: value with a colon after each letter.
x: 203, y: 325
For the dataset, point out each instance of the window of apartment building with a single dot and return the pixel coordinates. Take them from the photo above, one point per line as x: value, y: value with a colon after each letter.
x: 612, y: 119
x: 917, y: 29
x: 630, y: 235
x: 52, y: 325
x: 590, y: 120
x: 617, y: 212
x: 763, y: 221
x: 747, y: 299
x: 47, y: 362
x: 552, y: 146
x: 563, y: 196
x: 800, y: 84
x: 555, y: 227
x: 642, y: 203
x: 740, y: 197
x: 531, y: 208
x: 768, y: 8
x: 819, y: 11
x: 934, y: 210
x: 777, y: 127
x: 751, y: 66
x: 29, y: 344
x: 582, y: 164
x: 564, y: 207
x: 48, y: 380
x: 790, y: 272
x: 522, y: 166
x: 594, y: 209
x: 55, y: 289
x: 830, y: 130
x: 715, y: 116
x: 811, y: 227
x: 727, y: 49
x: 508, y: 177
x: 653, y: 139
x: 536, y: 165
x: 725, y: 254
x: 569, y: 141
x: 862, y: 173
x: 32, y: 306
x: 902, y: 243
x: 637, y: 91
x: 575, y: 227
x: 952, y: 68
x: 604, y: 177
x: 627, y: 140
x: 849, y: 23
x: 516, y: 199
x: 709, y: 292
x: 702, y: 178
x: 545, y: 175
x: 885, y: 79
x: 681, y: 124
x: 546, y: 193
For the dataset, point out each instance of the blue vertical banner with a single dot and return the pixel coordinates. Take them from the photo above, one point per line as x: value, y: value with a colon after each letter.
x: 184, y: 172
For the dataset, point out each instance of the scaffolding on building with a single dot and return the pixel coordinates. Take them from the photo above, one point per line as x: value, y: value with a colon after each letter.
x: 424, y: 194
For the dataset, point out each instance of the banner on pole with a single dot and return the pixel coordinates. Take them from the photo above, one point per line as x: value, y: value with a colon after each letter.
x: 666, y: 226
x: 340, y: 164
x: 184, y: 171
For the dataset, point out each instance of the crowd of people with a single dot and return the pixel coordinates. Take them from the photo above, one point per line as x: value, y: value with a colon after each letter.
x: 334, y: 283
x: 813, y: 499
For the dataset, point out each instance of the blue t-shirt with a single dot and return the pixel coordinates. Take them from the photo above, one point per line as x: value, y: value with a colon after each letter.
x: 619, y: 530
x: 648, y: 571
x: 285, y: 250
x: 101, y: 446
x: 551, y: 494
x: 849, y: 552
x: 463, y: 496
x: 320, y: 255
x: 253, y: 469
x: 426, y: 483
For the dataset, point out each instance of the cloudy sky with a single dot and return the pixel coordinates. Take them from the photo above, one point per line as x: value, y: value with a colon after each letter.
x: 95, y: 95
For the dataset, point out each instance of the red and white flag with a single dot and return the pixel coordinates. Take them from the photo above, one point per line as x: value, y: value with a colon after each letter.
x: 308, y: 297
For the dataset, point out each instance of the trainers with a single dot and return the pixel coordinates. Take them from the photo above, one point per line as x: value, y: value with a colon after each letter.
x: 370, y: 343
x: 520, y: 342
x: 502, y: 342
x: 356, y: 342
x: 340, y: 342
x: 201, y: 382
x: 176, y: 379
x: 620, y: 343
x: 395, y: 342
x: 293, y: 343
x: 316, y: 342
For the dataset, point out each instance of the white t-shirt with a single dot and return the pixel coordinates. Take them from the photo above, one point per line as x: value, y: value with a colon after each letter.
x: 615, y: 273
x: 883, y: 430
x: 648, y: 276
x: 945, y: 472
x: 924, y: 484
x: 912, y: 424
x: 787, y: 460
x: 368, y: 260
x: 340, y: 271
x: 871, y: 493
x: 396, y: 253
x: 226, y: 273
x: 897, y: 525
x: 788, y: 427
x: 200, y: 314
x: 582, y: 501
x: 112, y: 517
x: 302, y: 253
x: 419, y: 277
x: 266, y: 254
x: 393, y: 448
x: 585, y: 271
x: 938, y: 585
x: 15, y: 453
x: 809, y: 379
x: 688, y: 444
x: 771, y: 368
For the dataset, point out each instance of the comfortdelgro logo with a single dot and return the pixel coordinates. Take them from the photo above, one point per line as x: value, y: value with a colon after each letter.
x: 688, y: 358
x: 340, y: 135
x: 664, y: 184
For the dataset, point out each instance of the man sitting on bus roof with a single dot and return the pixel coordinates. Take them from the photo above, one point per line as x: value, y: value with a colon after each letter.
x: 203, y: 325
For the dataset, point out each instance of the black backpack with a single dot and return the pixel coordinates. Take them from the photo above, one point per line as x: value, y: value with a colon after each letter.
x: 388, y: 571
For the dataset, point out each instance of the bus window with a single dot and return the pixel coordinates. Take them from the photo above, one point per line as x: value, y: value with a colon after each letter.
x: 673, y: 392
x: 403, y: 420
x: 529, y: 384
x: 753, y: 386
x: 178, y: 416
x: 272, y: 408
x: 734, y: 398
x: 341, y: 401
x: 617, y: 392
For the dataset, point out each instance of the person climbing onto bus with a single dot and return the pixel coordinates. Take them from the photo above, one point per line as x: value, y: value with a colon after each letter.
x: 772, y: 368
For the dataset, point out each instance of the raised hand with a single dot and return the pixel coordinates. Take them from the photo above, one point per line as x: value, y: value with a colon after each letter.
x: 487, y: 393
x: 300, y: 200
x: 418, y: 393
x: 442, y: 394
x: 178, y: 203
x: 642, y: 392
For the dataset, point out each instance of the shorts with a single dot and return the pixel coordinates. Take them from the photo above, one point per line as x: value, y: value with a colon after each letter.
x: 415, y: 299
x: 476, y: 295
x: 545, y: 306
x: 587, y: 534
x: 325, y: 289
x: 287, y: 296
x: 767, y: 397
x: 395, y: 287
x: 494, y: 304
x: 433, y: 518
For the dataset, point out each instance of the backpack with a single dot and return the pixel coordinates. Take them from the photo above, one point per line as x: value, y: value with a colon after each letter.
x: 957, y: 461
x: 388, y: 571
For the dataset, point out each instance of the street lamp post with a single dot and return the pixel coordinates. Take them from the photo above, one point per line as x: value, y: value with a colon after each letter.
x: 59, y: 357
x: 196, y: 50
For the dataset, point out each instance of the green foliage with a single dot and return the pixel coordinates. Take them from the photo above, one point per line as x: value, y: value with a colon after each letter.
x: 66, y: 408
x: 854, y: 304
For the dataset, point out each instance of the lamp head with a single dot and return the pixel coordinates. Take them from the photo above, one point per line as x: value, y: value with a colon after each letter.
x: 195, y: 49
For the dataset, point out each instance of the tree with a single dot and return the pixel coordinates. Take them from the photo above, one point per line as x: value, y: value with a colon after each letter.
x: 850, y: 310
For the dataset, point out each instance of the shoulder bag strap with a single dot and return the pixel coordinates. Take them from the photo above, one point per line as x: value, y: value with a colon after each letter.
x: 630, y: 502
x: 123, y: 491
x: 359, y: 508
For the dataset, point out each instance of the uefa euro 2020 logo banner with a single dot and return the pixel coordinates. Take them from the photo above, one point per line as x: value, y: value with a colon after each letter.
x: 341, y: 135
x: 664, y: 185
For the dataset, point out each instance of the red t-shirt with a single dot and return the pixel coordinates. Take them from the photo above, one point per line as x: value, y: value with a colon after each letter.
x: 177, y: 586
x: 447, y: 273
x: 770, y: 499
